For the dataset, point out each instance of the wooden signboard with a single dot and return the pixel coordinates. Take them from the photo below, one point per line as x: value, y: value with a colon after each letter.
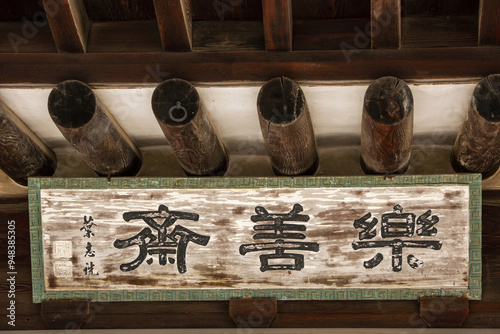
x: 328, y: 238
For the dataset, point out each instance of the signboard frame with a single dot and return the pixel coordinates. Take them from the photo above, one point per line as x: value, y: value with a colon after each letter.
x: 473, y: 292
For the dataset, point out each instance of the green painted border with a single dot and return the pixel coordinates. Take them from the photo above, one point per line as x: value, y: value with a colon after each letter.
x: 473, y: 180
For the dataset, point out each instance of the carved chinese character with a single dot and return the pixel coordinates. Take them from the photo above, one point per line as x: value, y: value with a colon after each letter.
x: 397, y: 225
x: 280, y: 232
x: 164, y: 244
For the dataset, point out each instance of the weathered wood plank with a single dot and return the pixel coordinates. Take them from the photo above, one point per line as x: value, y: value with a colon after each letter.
x: 87, y: 125
x: 477, y: 146
x: 22, y: 154
x: 119, y: 10
x: 69, y: 24
x: 134, y: 36
x: 277, y: 16
x: 489, y: 22
x: 175, y: 24
x: 287, y: 128
x: 220, y: 256
x: 182, y: 118
x: 250, y: 66
x: 440, y: 31
x: 216, y: 36
x: 387, y: 127
x: 386, y: 24
x: 25, y: 37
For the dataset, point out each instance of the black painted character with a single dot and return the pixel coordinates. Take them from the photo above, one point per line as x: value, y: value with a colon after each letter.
x: 280, y: 231
x: 163, y: 243
x: 87, y: 227
x: 89, y: 252
x: 396, y: 225
x: 89, y: 270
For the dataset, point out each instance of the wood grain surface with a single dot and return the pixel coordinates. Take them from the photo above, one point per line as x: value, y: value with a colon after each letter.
x: 286, y: 127
x: 229, y: 218
x: 386, y: 127
x: 477, y: 147
x: 86, y: 124
x: 182, y: 118
x: 291, y: 314
x: 22, y: 154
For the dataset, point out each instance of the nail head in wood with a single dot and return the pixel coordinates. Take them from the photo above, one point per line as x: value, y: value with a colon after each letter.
x: 386, y: 127
x: 444, y: 311
x: 253, y: 312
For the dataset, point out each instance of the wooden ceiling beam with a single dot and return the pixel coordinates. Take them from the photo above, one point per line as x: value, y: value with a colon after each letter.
x: 69, y: 24
x: 489, y: 22
x: 237, y: 66
x: 175, y: 24
x: 277, y: 16
x: 386, y: 24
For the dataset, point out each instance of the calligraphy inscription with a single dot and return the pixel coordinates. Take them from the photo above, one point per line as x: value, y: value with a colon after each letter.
x: 309, y: 238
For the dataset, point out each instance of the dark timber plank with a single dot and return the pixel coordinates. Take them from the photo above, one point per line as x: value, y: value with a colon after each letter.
x: 133, y: 36
x: 439, y: 31
x: 228, y: 36
x: 25, y: 37
x: 175, y: 24
x: 386, y: 24
x: 330, y: 34
x: 120, y: 10
x: 69, y: 24
x: 436, y: 63
x: 277, y: 15
x: 489, y: 22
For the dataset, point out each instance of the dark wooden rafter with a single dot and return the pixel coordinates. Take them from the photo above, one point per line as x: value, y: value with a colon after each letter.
x: 386, y: 24
x: 489, y: 22
x: 69, y: 24
x: 175, y: 24
x: 277, y: 16
x: 130, y: 68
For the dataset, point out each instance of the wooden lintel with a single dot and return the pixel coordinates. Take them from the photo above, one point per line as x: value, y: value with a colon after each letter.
x: 253, y: 312
x: 69, y: 24
x: 65, y: 314
x: 489, y: 22
x: 386, y: 24
x: 175, y: 24
x: 277, y: 16
x: 444, y: 311
x: 140, y: 68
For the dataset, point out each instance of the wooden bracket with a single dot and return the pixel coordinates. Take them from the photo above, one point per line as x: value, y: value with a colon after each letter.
x: 444, y: 311
x: 65, y: 314
x: 253, y: 312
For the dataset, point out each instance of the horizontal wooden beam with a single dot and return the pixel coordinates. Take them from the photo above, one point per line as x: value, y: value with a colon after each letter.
x: 347, y: 64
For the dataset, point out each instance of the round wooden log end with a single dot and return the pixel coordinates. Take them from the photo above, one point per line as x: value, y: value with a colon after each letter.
x: 486, y: 98
x: 280, y: 100
x: 388, y: 100
x: 72, y: 104
x: 175, y: 102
